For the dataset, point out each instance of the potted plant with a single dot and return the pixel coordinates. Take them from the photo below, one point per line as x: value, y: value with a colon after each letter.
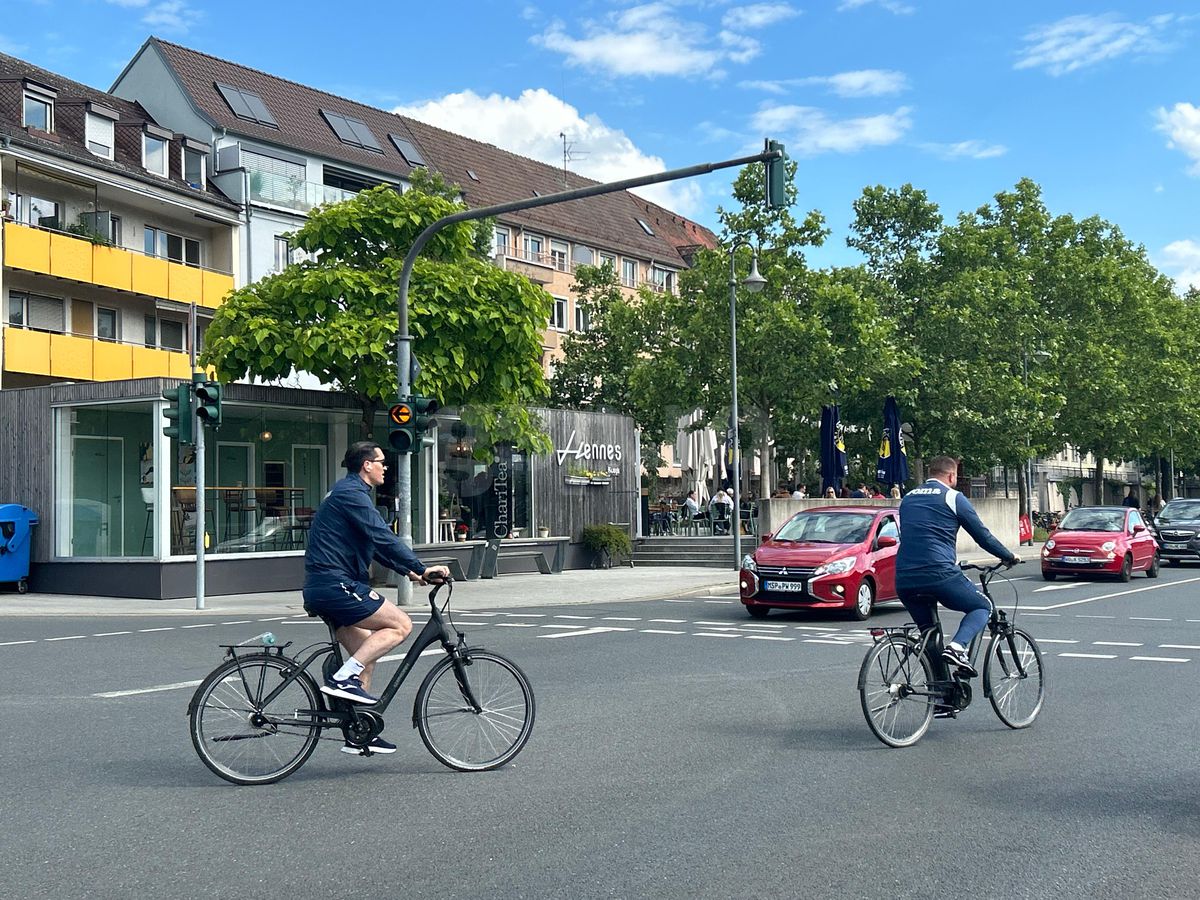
x: 608, y: 543
x: 460, y: 532
x: 543, y: 531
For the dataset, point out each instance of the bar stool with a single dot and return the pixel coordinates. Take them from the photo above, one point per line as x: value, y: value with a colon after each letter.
x: 238, y: 503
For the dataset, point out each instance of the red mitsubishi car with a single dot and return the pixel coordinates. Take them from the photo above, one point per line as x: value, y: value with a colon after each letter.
x: 830, y: 557
x: 1100, y: 540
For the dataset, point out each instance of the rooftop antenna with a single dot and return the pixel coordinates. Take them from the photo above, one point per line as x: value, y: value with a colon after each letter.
x: 569, y: 156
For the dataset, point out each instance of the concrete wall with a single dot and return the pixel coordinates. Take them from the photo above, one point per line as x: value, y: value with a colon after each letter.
x: 999, y: 515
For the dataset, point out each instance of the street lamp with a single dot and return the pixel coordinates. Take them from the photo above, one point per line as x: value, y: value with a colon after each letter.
x: 1039, y: 356
x: 754, y: 283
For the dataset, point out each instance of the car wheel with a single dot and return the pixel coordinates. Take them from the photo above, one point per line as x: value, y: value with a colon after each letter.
x: 758, y: 612
x: 1152, y: 572
x: 864, y: 601
x: 1049, y: 576
x: 1126, y: 568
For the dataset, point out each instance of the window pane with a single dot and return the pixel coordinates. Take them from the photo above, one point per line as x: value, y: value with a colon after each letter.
x: 171, y: 335
x: 47, y: 313
x: 106, y: 324
x: 155, y: 153
x: 193, y: 168
x: 150, y: 244
x: 16, y: 308
x: 151, y: 332
x: 191, y: 252
x: 100, y: 135
x: 282, y: 253
x: 37, y: 113
x: 42, y: 212
x: 175, y: 247
x: 115, y: 230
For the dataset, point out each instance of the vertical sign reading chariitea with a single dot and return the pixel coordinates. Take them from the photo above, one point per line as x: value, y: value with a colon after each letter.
x: 500, y: 507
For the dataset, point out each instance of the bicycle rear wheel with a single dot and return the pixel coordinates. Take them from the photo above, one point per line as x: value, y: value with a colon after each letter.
x: 458, y: 735
x: 1016, y: 691
x: 894, y: 688
x: 239, y: 738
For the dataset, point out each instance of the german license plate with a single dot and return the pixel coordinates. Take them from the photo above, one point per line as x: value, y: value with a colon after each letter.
x: 1077, y: 560
x: 785, y: 587
x: 1175, y: 546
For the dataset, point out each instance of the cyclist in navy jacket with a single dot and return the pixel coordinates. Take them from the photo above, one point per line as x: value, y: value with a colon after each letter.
x: 927, y: 565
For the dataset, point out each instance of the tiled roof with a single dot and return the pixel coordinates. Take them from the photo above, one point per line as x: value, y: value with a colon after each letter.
x: 607, y: 222
x: 295, y: 107
x: 67, y: 145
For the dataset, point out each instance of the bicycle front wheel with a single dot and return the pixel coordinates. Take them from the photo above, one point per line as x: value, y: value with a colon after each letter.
x: 474, y: 713
x: 1014, y: 679
x: 894, y: 688
x: 244, y: 740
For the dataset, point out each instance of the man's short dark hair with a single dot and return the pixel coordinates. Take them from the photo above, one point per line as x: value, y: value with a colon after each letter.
x: 357, y: 454
x: 943, y: 465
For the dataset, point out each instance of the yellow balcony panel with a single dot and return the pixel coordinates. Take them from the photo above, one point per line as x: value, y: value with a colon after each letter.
x: 151, y: 363
x: 184, y: 283
x: 71, y: 258
x: 181, y: 366
x: 26, y: 351
x: 26, y: 248
x: 112, y: 362
x: 112, y: 267
x: 71, y: 357
x: 150, y: 276
x: 216, y: 286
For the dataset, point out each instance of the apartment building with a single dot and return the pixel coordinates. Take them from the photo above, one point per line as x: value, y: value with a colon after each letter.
x: 112, y: 234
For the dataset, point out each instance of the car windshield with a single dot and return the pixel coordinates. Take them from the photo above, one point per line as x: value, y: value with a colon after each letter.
x: 1094, y: 520
x: 1179, y: 511
x: 826, y: 528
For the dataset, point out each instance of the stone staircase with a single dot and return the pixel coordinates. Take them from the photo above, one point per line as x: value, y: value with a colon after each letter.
x: 704, y: 551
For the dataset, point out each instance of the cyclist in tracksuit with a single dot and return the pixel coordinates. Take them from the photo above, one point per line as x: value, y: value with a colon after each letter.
x: 927, y: 569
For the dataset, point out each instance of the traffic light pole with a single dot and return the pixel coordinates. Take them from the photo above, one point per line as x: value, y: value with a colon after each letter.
x: 198, y: 433
x: 404, y: 339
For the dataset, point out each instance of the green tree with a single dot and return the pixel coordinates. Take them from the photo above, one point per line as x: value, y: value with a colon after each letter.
x: 477, y: 329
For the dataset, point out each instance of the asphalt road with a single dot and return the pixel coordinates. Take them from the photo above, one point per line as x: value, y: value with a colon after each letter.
x: 681, y: 750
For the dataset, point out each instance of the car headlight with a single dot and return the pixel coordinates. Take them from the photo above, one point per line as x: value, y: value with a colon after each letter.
x: 837, y: 567
x: 1050, y: 545
x: 1108, y: 545
x: 749, y: 564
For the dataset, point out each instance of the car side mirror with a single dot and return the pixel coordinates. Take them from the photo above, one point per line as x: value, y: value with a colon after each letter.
x: 886, y: 540
x: 766, y: 537
x: 1138, y: 529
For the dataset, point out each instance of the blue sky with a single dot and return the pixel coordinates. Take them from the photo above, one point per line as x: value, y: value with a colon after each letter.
x: 1098, y: 102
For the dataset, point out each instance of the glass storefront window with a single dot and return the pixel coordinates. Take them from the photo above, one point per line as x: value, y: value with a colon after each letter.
x: 105, y: 481
x: 465, y: 485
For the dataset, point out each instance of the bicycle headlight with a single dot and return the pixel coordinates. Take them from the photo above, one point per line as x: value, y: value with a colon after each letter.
x: 837, y: 567
x: 749, y: 564
x: 1108, y: 545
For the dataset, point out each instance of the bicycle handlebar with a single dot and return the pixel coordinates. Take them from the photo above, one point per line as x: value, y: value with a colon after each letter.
x: 994, y: 567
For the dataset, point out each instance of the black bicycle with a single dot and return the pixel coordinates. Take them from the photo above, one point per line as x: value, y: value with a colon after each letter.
x: 259, y: 716
x: 903, y: 679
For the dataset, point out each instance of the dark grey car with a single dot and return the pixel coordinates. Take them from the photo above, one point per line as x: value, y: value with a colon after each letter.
x: 1178, y: 530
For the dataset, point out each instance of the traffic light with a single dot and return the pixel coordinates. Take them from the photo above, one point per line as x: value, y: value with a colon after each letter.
x: 179, y: 413
x: 402, y: 433
x: 776, y: 169
x: 423, y: 410
x: 208, y: 403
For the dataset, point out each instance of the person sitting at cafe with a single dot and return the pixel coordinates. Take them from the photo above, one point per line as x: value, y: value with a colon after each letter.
x: 720, y: 508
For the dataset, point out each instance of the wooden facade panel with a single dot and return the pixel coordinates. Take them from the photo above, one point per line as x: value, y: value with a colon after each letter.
x: 27, y: 467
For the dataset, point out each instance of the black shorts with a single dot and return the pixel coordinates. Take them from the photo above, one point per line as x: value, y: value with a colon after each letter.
x: 342, y: 603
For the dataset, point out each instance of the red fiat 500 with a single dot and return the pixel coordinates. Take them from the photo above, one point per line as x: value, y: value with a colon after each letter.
x: 1100, y: 540
x: 831, y: 557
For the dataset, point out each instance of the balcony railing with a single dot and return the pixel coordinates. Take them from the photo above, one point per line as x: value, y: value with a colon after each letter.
x: 292, y: 193
x: 86, y: 358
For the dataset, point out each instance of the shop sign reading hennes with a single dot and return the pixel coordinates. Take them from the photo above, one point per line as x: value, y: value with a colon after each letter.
x: 590, y: 452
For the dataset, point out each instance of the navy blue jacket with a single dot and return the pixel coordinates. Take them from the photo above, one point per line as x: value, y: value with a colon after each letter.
x: 930, y: 517
x: 347, y: 533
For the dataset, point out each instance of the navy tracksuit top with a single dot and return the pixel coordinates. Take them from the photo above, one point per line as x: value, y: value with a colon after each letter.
x: 930, y: 517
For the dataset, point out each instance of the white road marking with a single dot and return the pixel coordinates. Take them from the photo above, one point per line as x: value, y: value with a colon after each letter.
x: 815, y: 628
x: 1148, y: 619
x: 523, y: 615
x: 1089, y: 655
x: 710, y: 622
x: 1152, y: 587
x: 561, y: 625
x: 205, y: 625
x: 1086, y: 616
x: 670, y: 621
x: 238, y: 622
x: 820, y: 641
x: 432, y: 651
x: 1179, y: 646
x: 622, y: 618
x: 150, y: 690
x: 678, y: 600
x: 719, y: 601
x: 14, y: 643
x: 515, y: 624
x: 275, y: 619
x: 574, y: 617
x: 598, y: 629
x: 148, y: 630
x: 72, y: 637
x: 1053, y: 615
x: 1116, y: 644
x: 660, y: 631
x: 114, y: 633
x: 714, y: 634
x: 1053, y: 641
x: 1174, y: 659
x: 767, y: 637
x: 1056, y: 587
x: 772, y: 629
x: 485, y: 614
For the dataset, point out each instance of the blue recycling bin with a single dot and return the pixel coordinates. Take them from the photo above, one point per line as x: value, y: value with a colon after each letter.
x: 16, y: 544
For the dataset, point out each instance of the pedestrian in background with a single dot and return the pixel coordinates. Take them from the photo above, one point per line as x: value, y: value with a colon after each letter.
x: 895, y: 492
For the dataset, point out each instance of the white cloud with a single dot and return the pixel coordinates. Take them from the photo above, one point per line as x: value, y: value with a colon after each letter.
x: 1181, y: 260
x: 1077, y: 42
x: 757, y: 15
x: 966, y: 150
x: 172, y: 16
x: 650, y: 40
x: 1181, y: 124
x: 860, y: 83
x: 808, y: 131
x: 892, y: 6
x: 530, y: 125
x: 130, y: 3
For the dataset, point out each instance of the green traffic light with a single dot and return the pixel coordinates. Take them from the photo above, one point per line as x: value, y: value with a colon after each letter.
x: 776, y: 172
x: 179, y: 414
x: 209, y: 395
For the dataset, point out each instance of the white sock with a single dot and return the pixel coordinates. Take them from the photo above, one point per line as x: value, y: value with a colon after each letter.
x: 352, y: 667
x: 954, y: 645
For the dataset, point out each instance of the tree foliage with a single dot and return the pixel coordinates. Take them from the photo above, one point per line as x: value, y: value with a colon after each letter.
x: 476, y: 328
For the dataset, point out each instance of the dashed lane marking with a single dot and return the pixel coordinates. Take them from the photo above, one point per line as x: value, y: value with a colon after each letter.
x: 212, y: 625
x: 1117, y: 644
x: 1179, y: 646
x: 767, y: 637
x: 622, y: 618
x: 148, y: 630
x: 598, y: 629
x: 1086, y: 616
x: 1047, y: 615
x: 561, y: 625
x: 14, y: 643
x: 114, y: 633
x: 1054, y: 641
x: 515, y: 624
x: 725, y: 602
x: 714, y: 634
x: 669, y: 621
x: 238, y: 622
x: 660, y: 631
x: 1171, y: 659
x: 179, y: 685
x: 823, y: 641
x: 523, y: 615
x: 574, y: 617
x: 70, y: 637
x: 1089, y: 655
x: 1147, y: 619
